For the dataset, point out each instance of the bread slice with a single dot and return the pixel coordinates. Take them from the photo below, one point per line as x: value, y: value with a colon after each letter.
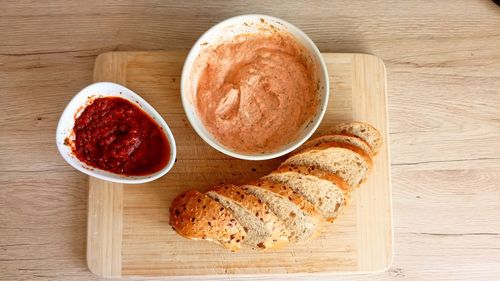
x: 325, y: 190
x: 361, y: 144
x: 300, y: 217
x: 196, y: 216
x: 348, y: 162
x: 263, y: 228
x: 363, y: 131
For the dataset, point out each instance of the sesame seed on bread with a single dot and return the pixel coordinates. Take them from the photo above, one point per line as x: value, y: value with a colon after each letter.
x: 196, y: 216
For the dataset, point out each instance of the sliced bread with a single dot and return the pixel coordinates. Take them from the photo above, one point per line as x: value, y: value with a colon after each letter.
x: 358, y: 142
x: 196, y: 216
x: 263, y: 228
x: 300, y: 217
x: 364, y: 131
x: 325, y: 190
x: 348, y: 162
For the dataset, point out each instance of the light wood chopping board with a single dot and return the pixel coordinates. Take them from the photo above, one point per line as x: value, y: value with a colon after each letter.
x: 128, y: 230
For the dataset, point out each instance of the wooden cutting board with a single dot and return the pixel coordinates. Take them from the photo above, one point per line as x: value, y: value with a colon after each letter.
x: 128, y: 230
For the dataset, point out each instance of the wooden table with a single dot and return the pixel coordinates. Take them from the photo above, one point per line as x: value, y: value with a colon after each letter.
x: 443, y: 68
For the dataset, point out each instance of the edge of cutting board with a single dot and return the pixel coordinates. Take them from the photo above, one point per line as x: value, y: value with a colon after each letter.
x: 106, y: 230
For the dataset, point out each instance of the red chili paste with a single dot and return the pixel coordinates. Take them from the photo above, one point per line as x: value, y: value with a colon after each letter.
x: 114, y: 134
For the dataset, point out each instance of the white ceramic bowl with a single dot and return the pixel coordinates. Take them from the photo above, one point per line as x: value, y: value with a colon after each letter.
x: 225, y: 31
x: 74, y: 109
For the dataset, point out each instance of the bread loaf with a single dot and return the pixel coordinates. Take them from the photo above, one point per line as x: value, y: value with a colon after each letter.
x: 290, y: 204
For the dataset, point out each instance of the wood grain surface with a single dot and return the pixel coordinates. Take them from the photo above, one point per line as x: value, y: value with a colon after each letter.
x: 128, y: 232
x: 443, y: 71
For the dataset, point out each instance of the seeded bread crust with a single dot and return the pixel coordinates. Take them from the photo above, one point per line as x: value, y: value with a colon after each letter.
x: 362, y: 130
x: 278, y: 235
x: 196, y: 216
x: 349, y: 139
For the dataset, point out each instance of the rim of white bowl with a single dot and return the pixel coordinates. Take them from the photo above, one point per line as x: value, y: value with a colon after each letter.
x: 266, y: 156
x: 114, y: 177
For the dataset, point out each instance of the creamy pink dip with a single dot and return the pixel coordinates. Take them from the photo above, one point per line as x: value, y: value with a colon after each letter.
x: 256, y: 93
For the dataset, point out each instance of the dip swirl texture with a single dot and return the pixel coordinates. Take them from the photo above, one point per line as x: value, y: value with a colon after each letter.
x: 257, y: 92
